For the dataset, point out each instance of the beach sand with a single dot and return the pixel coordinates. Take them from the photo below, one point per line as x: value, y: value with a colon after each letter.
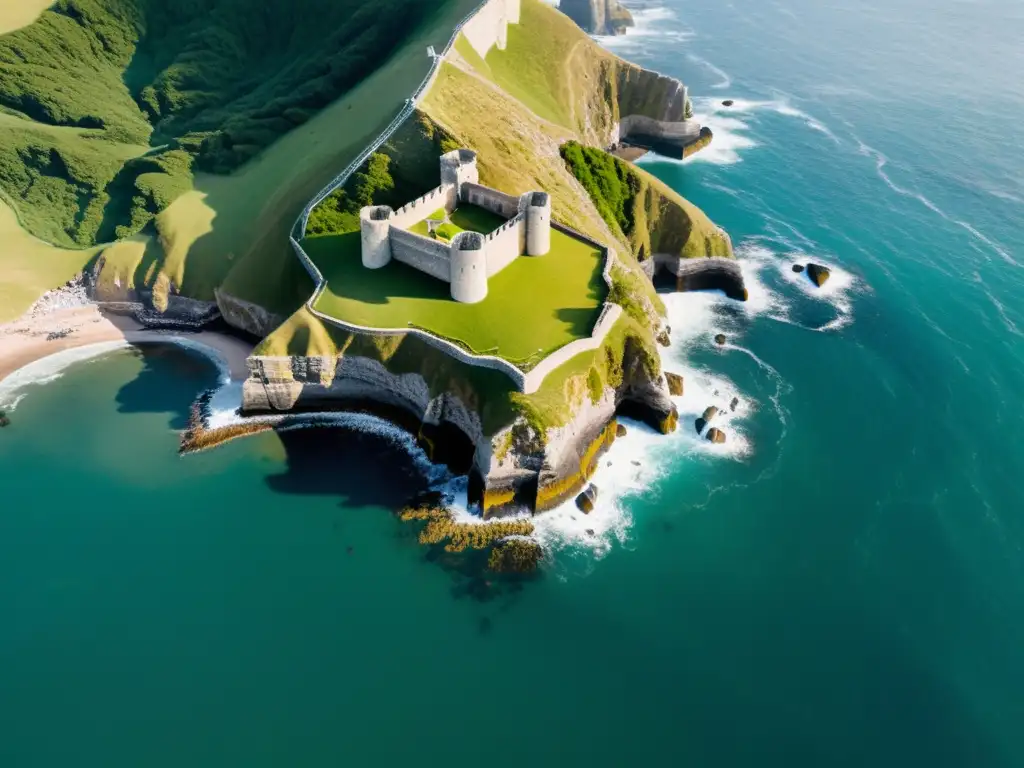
x: 25, y: 340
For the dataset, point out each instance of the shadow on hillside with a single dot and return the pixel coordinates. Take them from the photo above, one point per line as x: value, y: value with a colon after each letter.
x: 581, y: 320
x: 360, y: 469
x: 168, y: 382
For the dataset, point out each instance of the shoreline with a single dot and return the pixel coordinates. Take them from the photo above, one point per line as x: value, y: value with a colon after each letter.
x: 38, y: 335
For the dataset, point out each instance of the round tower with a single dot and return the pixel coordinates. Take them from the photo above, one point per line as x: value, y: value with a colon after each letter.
x: 375, y: 231
x: 468, y: 268
x: 537, y: 206
x: 458, y: 167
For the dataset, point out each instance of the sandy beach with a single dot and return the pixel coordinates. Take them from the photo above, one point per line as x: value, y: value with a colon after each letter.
x: 37, y: 335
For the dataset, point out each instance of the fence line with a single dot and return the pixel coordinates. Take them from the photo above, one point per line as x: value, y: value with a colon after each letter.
x: 527, y: 382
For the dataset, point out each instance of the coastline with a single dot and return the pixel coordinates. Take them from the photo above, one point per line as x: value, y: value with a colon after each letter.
x: 33, y: 337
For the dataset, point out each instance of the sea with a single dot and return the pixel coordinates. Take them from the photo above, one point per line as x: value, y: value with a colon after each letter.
x: 840, y: 584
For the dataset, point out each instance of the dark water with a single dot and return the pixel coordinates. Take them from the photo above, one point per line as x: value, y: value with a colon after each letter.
x: 841, y: 584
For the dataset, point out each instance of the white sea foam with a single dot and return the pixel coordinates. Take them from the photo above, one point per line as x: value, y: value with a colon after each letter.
x: 724, y: 80
x: 653, y: 27
x: 14, y: 387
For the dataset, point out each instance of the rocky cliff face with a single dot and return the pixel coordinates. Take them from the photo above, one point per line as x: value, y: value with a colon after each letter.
x: 598, y: 17
x: 511, y: 468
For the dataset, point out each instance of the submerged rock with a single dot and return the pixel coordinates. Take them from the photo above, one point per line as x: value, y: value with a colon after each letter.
x: 675, y: 383
x: 715, y: 435
x: 819, y: 275
x: 798, y: 267
x: 720, y: 339
x: 710, y: 412
x: 4, y: 421
x: 586, y: 500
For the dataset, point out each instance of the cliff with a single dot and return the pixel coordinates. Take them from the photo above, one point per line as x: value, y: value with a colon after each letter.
x: 598, y: 17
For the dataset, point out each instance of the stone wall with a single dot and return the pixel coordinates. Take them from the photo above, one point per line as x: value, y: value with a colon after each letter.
x: 684, y: 131
x: 505, y: 244
x: 491, y: 200
x: 422, y: 253
x: 417, y: 210
x: 489, y: 27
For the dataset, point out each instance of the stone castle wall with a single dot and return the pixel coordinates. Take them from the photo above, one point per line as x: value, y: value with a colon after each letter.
x: 489, y: 27
x: 422, y: 253
x: 686, y: 130
x: 418, y: 209
x: 505, y: 244
x: 491, y: 200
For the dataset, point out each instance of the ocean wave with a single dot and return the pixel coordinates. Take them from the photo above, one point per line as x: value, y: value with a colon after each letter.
x: 14, y: 388
x: 724, y: 80
x: 652, y: 29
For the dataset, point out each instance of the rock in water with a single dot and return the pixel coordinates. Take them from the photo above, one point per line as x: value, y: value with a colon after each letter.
x: 699, y: 425
x: 734, y: 403
x: 663, y: 338
x: 620, y: 431
x: 586, y: 500
x: 710, y: 412
x: 818, y: 274
x: 798, y: 267
x: 720, y: 339
x: 675, y: 384
x: 4, y: 421
x: 715, y: 435
x: 728, y: 103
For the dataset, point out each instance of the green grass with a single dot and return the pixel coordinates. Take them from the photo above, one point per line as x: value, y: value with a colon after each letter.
x: 465, y: 218
x: 533, y: 306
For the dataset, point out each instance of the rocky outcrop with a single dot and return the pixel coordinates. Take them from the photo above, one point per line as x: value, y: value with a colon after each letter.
x: 798, y: 268
x: 715, y: 435
x: 819, y: 275
x: 246, y: 316
x: 710, y: 412
x: 720, y: 339
x: 675, y: 384
x: 586, y: 501
x: 704, y: 274
x: 598, y: 17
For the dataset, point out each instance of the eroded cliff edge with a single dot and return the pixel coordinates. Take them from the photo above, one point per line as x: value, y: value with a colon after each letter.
x: 598, y: 17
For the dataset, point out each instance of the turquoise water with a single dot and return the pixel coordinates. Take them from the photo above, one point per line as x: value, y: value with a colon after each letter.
x: 842, y: 584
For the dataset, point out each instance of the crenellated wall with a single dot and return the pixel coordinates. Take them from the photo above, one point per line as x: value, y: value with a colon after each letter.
x: 418, y: 209
x: 491, y: 200
x: 430, y: 256
x: 505, y: 244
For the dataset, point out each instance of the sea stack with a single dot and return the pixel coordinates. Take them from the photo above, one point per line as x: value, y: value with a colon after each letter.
x: 598, y: 17
x: 819, y: 275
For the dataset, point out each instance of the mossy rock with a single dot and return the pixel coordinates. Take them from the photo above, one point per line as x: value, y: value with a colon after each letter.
x: 715, y: 435
x: 515, y: 556
x: 675, y: 384
x: 669, y: 423
x: 819, y: 275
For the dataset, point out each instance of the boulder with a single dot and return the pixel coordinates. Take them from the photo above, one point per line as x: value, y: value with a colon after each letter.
x: 675, y: 384
x: 699, y: 425
x: 798, y: 267
x: 728, y: 103
x: 709, y: 413
x: 586, y: 500
x: 663, y: 338
x: 819, y: 275
x: 620, y: 430
x: 720, y: 339
x: 4, y: 421
x: 715, y: 435
x: 734, y: 403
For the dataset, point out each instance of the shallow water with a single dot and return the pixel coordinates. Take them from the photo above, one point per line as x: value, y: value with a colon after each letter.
x: 840, y: 584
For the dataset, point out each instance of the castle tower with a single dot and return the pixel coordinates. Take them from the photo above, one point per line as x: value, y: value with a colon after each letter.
x: 537, y: 207
x: 458, y: 167
x: 375, y: 233
x: 512, y: 11
x: 468, y: 268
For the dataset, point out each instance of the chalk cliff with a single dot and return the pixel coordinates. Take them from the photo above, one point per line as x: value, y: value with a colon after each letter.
x: 598, y: 17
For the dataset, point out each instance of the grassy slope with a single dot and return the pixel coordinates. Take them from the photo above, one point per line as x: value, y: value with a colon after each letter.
x: 533, y: 306
x: 232, y: 230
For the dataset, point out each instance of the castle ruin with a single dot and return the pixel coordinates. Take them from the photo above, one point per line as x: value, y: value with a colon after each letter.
x: 468, y: 261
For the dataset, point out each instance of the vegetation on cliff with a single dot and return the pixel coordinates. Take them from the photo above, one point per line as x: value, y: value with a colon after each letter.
x: 645, y: 212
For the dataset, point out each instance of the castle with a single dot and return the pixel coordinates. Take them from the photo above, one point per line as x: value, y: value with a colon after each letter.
x: 470, y: 258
